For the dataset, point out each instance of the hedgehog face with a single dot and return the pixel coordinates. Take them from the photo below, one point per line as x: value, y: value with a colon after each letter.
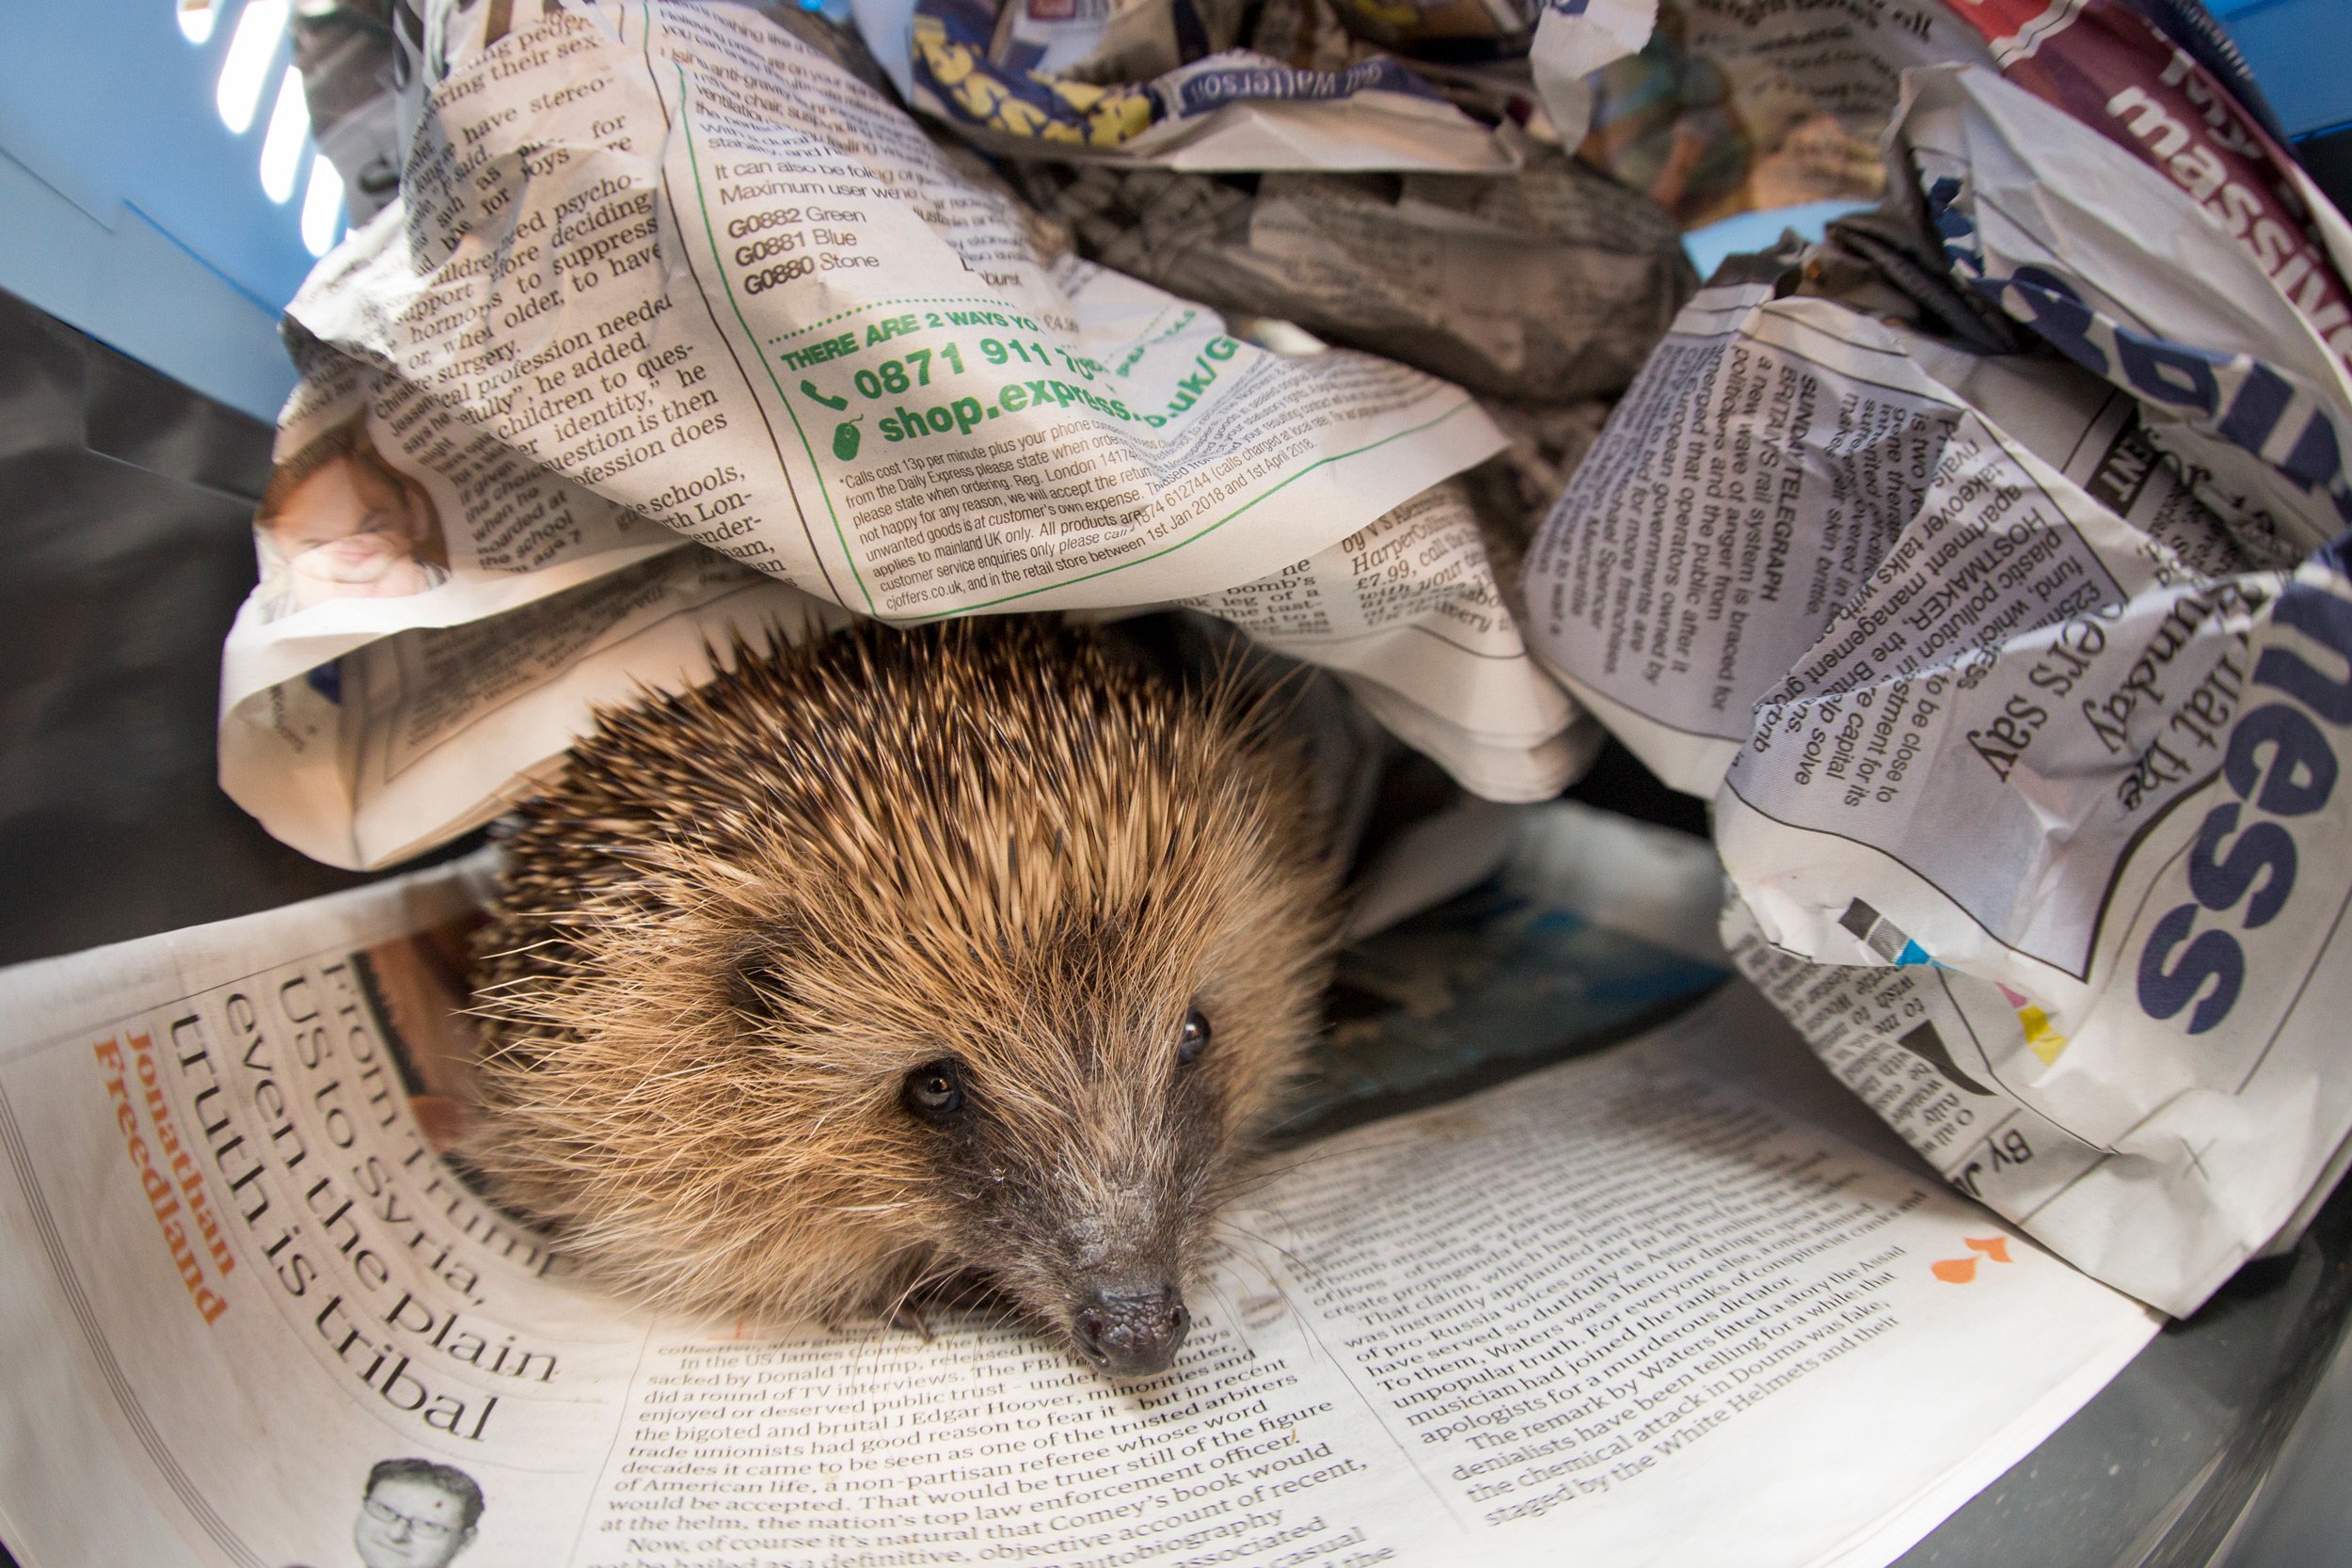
x: 1066, y: 1119
x: 1080, y: 1173
x: 1095, y: 1235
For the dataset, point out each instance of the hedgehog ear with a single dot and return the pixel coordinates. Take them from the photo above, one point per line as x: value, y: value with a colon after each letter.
x: 759, y: 973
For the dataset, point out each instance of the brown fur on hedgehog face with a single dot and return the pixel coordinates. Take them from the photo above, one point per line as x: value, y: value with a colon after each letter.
x: 901, y: 957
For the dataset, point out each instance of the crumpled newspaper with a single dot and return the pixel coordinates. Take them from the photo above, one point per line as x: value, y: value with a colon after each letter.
x: 1180, y: 84
x: 1987, y: 566
x: 1550, y: 286
x: 350, y: 63
x: 1712, y: 110
x: 674, y: 273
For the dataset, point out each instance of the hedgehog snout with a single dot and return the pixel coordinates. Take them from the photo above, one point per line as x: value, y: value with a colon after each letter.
x: 1131, y: 1329
x: 1119, y: 1263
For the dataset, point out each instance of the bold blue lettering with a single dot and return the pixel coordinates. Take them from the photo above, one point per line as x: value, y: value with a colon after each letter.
x: 1951, y: 224
x: 2301, y: 772
x: 2220, y: 883
x: 2254, y: 412
x: 2214, y: 955
x: 2169, y: 373
x: 2061, y: 317
x: 2315, y: 461
x: 2326, y: 620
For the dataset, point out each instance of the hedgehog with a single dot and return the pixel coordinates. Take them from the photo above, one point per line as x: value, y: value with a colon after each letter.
x: 903, y: 963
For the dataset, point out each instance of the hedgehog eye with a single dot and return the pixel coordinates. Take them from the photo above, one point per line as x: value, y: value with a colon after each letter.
x: 1194, y: 1038
x: 934, y: 1091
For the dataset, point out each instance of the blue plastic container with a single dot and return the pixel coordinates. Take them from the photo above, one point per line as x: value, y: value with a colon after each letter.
x: 132, y: 197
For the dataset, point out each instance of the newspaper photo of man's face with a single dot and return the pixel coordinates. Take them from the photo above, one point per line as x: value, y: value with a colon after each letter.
x: 338, y: 522
x: 416, y: 1514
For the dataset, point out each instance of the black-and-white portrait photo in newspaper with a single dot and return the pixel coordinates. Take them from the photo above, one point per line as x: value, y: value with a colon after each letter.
x: 414, y: 1514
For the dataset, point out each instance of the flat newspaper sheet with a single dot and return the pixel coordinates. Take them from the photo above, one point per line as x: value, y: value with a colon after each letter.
x: 1613, y: 1311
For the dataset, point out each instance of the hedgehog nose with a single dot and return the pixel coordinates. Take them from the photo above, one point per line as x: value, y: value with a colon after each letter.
x: 1132, y: 1332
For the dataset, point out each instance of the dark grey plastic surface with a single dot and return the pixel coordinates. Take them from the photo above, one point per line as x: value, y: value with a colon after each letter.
x: 127, y: 504
x: 2158, y: 1469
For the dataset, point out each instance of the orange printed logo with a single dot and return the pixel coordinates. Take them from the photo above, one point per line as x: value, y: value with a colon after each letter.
x: 1959, y: 1271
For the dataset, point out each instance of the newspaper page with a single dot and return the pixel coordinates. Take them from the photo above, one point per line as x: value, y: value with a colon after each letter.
x: 1186, y: 84
x: 2164, y: 1206
x: 1409, y: 615
x: 722, y: 282
x: 2008, y: 674
x: 2140, y: 762
x: 415, y: 738
x: 1606, y: 1311
x: 2263, y: 429
x: 1755, y: 475
x: 1551, y: 285
x: 2115, y: 70
x: 382, y: 513
x: 1167, y: 83
x: 714, y: 288
x: 1713, y: 107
